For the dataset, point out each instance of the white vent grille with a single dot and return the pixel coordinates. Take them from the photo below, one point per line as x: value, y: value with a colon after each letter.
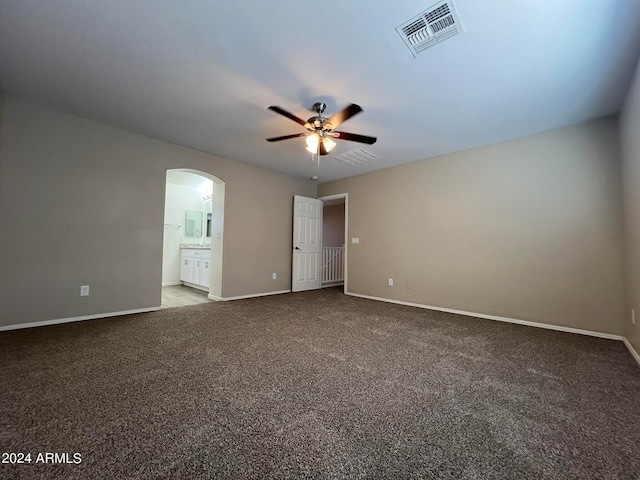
x: 357, y: 157
x: 435, y: 25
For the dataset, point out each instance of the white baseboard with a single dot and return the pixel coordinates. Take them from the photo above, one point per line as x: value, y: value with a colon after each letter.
x: 196, y: 286
x: 609, y: 336
x: 241, y: 297
x: 76, y: 319
x: 632, y: 350
x: 171, y: 284
x: 548, y: 326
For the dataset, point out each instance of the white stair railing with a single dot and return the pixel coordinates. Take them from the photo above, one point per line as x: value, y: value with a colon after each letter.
x: 332, y: 264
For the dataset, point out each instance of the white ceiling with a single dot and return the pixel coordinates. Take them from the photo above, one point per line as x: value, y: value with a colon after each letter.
x: 201, y: 73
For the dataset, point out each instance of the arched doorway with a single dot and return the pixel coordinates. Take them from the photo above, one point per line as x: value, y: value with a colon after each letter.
x: 194, y: 224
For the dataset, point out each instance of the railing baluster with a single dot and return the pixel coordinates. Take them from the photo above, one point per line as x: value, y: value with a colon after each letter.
x: 332, y: 264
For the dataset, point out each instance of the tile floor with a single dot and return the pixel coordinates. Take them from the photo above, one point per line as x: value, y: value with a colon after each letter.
x: 181, y: 296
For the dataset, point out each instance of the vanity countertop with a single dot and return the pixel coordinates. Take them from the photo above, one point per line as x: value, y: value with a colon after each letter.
x: 195, y: 246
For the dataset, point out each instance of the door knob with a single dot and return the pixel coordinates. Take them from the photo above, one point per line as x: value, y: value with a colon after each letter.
x: 298, y: 248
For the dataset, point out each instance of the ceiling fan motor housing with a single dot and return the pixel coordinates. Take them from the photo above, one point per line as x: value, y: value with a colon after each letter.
x: 319, y: 107
x: 318, y: 123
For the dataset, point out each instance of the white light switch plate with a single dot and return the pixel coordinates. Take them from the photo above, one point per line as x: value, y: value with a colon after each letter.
x: 355, y: 241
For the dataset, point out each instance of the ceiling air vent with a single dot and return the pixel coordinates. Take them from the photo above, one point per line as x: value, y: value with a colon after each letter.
x: 356, y: 157
x: 435, y: 25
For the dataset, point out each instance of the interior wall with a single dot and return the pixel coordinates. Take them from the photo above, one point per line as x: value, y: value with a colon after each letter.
x: 82, y: 203
x: 217, y: 236
x: 178, y: 200
x: 630, y: 142
x: 1, y: 110
x: 529, y: 229
x: 333, y: 226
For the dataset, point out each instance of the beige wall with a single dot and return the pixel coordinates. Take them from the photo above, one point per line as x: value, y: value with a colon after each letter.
x: 1, y: 110
x: 83, y: 203
x: 333, y: 226
x: 630, y: 140
x: 529, y: 229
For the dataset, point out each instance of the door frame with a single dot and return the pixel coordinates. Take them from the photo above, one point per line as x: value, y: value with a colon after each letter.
x: 346, y: 230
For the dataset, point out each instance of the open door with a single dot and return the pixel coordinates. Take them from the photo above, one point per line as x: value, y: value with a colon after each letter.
x: 307, y: 244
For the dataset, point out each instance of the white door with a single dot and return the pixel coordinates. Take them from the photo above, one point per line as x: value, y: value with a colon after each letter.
x: 307, y: 243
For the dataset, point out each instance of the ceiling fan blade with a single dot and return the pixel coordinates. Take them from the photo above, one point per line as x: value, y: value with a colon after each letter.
x: 290, y: 116
x: 286, y: 137
x: 354, y: 137
x: 344, y: 115
x: 322, y: 150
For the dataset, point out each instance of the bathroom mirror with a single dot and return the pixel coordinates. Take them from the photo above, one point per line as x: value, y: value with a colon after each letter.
x: 193, y: 223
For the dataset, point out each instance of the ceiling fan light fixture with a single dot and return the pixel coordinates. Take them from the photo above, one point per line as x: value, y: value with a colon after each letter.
x: 328, y: 144
x: 312, y: 143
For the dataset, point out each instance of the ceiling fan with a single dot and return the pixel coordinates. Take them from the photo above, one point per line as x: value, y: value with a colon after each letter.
x: 321, y: 131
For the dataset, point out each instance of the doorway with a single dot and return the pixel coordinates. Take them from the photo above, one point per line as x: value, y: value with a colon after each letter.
x: 193, y: 237
x: 320, y: 242
x: 334, y: 240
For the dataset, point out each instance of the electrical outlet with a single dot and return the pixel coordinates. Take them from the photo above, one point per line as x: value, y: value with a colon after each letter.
x: 391, y: 282
x: 633, y: 316
x: 84, y: 290
x: 274, y: 275
x: 407, y: 285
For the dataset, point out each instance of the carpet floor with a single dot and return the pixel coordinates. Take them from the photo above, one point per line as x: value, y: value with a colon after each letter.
x: 316, y: 385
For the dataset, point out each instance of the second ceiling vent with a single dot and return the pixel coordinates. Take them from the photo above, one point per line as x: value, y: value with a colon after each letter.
x: 435, y: 25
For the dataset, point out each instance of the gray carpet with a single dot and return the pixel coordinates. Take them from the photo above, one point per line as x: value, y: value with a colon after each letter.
x: 317, y: 385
